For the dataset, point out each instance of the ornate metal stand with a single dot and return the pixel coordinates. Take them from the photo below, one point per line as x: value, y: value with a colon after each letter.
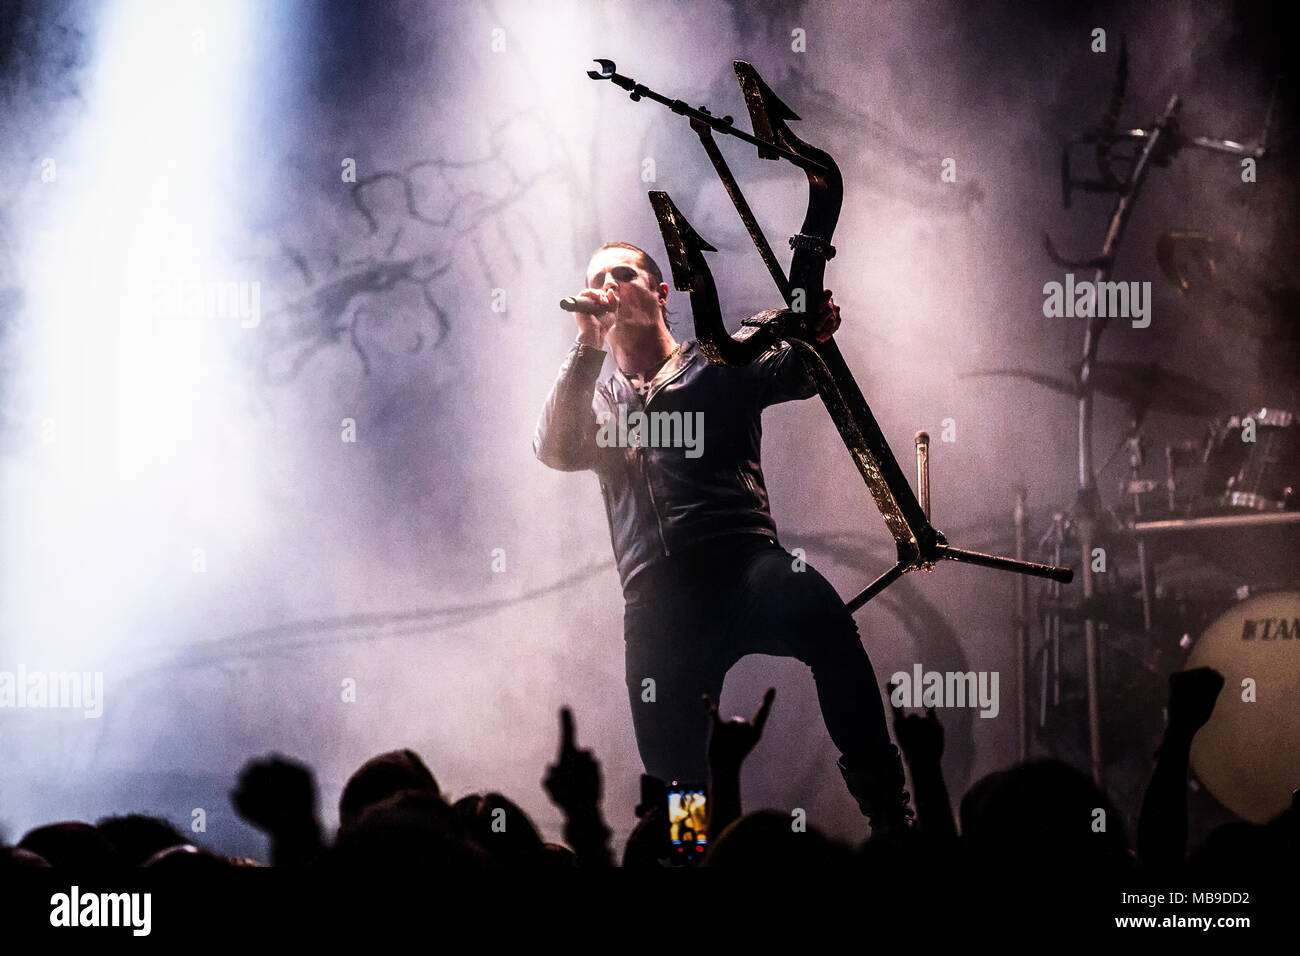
x: 920, y: 546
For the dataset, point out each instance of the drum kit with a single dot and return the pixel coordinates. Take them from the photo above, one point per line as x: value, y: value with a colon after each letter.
x: 1194, y: 566
x: 1200, y: 555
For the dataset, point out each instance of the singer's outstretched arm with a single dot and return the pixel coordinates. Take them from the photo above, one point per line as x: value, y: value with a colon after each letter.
x: 566, y: 432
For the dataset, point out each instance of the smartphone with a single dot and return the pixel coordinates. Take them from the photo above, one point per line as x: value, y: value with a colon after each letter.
x: 688, y: 820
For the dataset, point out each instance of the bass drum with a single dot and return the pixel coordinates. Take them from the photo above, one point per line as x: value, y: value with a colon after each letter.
x: 1248, y: 754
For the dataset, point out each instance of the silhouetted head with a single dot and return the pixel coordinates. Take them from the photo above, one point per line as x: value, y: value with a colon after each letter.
x: 502, y: 829
x: 648, y: 846
x: 1232, y: 851
x: 16, y: 858
x: 1046, y: 815
x: 1251, y: 853
x: 71, y: 844
x: 976, y: 796
x: 767, y: 840
x: 380, y: 778
x: 136, y: 837
x: 559, y: 857
x: 410, y: 830
x: 187, y: 858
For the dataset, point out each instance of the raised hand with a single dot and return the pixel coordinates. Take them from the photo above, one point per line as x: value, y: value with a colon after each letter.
x: 594, y: 327
x: 828, y: 317
x: 921, y: 738
x: 732, y: 740
x: 276, y: 795
x: 1192, y: 695
x: 573, y: 781
x: 1162, y: 822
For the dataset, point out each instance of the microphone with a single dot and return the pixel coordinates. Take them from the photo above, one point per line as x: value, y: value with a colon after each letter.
x: 585, y: 306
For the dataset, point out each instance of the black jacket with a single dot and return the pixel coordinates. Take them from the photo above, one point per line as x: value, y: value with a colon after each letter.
x: 661, y: 500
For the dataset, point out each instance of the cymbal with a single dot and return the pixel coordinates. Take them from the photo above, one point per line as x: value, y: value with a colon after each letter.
x: 1147, y: 385
x: 1142, y: 385
x: 1235, y: 285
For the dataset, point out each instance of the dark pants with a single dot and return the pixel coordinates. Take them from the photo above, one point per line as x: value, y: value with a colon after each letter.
x: 687, y: 619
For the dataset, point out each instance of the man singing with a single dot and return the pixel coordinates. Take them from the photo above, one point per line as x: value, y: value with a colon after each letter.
x: 705, y: 581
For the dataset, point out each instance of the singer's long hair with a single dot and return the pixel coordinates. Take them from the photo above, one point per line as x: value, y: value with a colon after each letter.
x: 648, y: 264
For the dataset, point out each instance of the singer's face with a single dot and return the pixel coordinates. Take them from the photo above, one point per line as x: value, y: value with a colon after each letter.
x: 621, y: 270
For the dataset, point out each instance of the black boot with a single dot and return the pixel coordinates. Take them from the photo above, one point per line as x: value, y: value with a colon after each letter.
x: 879, y: 791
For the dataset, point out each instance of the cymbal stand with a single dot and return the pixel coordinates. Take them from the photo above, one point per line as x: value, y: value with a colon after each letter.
x: 1136, y: 487
x: 1051, y: 676
x: 1022, y: 629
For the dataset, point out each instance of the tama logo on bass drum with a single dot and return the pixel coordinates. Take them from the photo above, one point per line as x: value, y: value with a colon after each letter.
x: 1270, y: 628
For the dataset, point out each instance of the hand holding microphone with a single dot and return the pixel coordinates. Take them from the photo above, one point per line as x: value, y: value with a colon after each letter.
x: 585, y: 306
x: 594, y: 311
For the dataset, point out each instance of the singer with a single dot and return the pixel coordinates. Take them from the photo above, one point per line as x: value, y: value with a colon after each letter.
x: 705, y: 581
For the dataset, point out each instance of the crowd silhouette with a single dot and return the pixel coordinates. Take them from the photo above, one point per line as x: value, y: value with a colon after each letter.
x: 1035, y: 823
